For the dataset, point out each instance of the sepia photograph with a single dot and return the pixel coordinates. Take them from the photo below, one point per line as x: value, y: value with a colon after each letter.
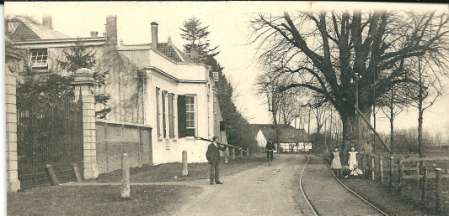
x: 226, y: 108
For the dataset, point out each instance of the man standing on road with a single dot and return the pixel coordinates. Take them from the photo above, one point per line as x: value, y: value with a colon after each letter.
x: 269, y: 148
x: 213, y: 157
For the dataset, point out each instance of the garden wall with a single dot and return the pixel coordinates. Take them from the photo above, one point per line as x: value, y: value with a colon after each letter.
x: 114, y: 139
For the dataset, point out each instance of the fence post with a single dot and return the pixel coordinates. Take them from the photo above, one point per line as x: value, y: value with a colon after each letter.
x: 381, y: 169
x: 185, y: 171
x: 372, y: 168
x: 126, y: 188
x: 226, y: 156
x: 77, y: 172
x: 418, y: 174
x: 401, y: 168
x: 423, y: 185
x: 390, y: 166
x: 51, y: 175
x: 437, y: 189
x: 84, y: 82
x: 241, y: 153
x: 362, y: 163
x: 233, y: 154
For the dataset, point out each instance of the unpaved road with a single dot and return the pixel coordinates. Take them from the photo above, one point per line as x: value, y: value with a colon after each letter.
x: 262, y: 191
x: 275, y: 191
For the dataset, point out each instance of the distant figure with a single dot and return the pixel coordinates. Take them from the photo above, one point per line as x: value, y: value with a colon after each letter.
x: 352, y: 161
x: 336, y: 163
x: 213, y: 157
x: 269, y: 148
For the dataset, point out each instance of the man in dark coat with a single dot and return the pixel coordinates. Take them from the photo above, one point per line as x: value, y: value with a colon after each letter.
x: 213, y: 156
x: 269, y: 148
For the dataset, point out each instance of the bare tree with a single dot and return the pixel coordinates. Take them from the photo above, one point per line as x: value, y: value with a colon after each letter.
x: 392, y: 104
x: 268, y: 85
x: 428, y: 93
x: 328, y: 50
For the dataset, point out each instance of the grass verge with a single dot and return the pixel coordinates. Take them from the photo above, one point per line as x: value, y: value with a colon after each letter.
x: 166, y: 172
x: 383, y: 198
x: 98, y: 200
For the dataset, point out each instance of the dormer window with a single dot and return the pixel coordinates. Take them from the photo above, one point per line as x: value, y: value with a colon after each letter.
x: 39, y: 58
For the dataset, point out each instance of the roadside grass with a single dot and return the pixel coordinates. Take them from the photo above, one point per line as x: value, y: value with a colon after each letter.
x: 167, y: 172
x: 98, y: 200
x: 387, y: 200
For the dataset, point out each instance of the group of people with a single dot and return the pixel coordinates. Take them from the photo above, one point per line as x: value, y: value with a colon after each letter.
x: 352, y: 163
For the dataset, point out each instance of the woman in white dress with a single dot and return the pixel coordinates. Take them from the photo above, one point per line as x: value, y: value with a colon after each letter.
x: 336, y: 164
x: 352, y: 162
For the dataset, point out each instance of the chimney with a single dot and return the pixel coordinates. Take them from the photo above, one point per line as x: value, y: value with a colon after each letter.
x: 46, y: 21
x: 154, y: 40
x: 111, y: 29
x: 94, y: 34
x: 169, y: 40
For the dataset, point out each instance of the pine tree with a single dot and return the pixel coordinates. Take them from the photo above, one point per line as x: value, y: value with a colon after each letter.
x: 80, y: 56
x: 196, y: 38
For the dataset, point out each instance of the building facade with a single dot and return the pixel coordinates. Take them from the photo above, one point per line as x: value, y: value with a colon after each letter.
x: 152, y: 85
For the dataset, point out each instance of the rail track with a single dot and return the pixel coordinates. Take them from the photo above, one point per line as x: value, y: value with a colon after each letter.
x: 314, y: 210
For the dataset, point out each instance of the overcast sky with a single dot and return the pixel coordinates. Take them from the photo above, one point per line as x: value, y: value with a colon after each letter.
x: 229, y: 26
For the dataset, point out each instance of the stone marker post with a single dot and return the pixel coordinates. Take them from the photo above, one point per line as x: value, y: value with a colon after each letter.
x: 233, y: 154
x: 84, y: 83
x: 185, y: 171
x: 126, y: 188
x: 51, y: 175
x: 76, y: 170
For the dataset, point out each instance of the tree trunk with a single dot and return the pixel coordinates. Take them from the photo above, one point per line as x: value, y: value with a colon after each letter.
x: 420, y: 138
x: 420, y: 109
x: 391, y: 107
x: 392, y: 131
x: 351, y: 130
x: 276, y: 130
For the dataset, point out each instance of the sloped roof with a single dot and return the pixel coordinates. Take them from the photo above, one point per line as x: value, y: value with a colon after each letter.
x: 166, y: 49
x: 33, y: 30
x: 287, y: 133
x: 169, y: 51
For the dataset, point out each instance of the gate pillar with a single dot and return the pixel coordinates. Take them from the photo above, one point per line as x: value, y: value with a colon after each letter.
x: 84, y: 84
x: 11, y: 71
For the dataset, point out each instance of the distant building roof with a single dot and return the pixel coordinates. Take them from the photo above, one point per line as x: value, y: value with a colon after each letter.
x: 23, y: 28
x: 287, y: 133
x: 166, y: 49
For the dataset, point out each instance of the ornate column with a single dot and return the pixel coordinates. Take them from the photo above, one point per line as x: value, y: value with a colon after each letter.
x: 84, y: 83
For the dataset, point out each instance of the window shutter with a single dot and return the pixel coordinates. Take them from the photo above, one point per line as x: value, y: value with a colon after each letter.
x: 182, y: 116
x: 222, y: 126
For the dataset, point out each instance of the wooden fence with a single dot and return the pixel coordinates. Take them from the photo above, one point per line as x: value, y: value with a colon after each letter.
x: 114, y: 139
x: 422, y: 180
